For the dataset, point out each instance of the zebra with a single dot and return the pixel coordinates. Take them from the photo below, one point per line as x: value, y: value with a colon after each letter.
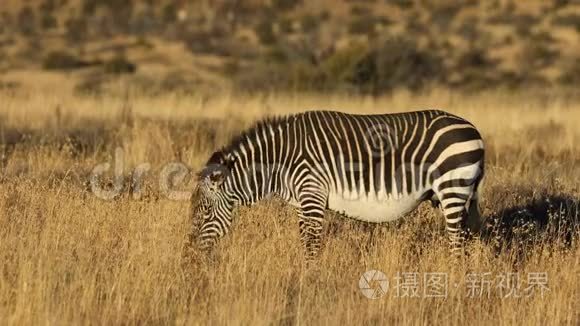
x: 373, y: 168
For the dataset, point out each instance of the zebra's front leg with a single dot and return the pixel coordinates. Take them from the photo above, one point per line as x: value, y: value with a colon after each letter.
x: 311, y: 216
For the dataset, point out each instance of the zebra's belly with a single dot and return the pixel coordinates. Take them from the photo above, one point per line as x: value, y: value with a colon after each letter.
x: 371, y: 208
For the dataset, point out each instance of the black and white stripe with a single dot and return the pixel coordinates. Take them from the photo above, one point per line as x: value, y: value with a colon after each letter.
x: 370, y: 167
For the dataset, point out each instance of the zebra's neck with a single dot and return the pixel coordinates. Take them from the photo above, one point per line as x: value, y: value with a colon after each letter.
x: 264, y: 157
x: 250, y: 181
x: 263, y: 160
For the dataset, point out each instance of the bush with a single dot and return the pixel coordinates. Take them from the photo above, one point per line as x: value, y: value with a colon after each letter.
x: 265, y: 32
x: 444, y: 14
x: 542, y: 37
x: 397, y: 63
x: 285, y: 25
x: 367, y: 25
x: 48, y: 21
x: 76, y: 30
x: 47, y: 6
x: 308, y: 23
x: 285, y: 4
x: 231, y: 67
x: 403, y: 4
x: 360, y: 11
x: 277, y: 54
x: 120, y: 65
x: 570, y: 20
x: 169, y: 13
x: 27, y: 21
x: 536, y: 55
x: 197, y: 41
x: 89, y: 7
x: 475, y: 58
x: 61, y: 60
x: 361, y: 25
x: 341, y: 66
x: 571, y: 74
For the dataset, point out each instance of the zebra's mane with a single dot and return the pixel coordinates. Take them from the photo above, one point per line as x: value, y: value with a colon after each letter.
x: 220, y: 157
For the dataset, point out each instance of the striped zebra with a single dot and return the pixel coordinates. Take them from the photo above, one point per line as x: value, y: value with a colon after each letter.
x: 374, y: 168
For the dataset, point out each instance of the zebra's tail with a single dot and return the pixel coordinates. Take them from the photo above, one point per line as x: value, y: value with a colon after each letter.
x: 475, y: 221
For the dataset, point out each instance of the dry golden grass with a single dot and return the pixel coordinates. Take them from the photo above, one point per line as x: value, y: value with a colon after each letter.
x: 68, y: 257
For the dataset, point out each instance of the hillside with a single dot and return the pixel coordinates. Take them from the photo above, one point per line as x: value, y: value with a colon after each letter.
x: 368, y: 47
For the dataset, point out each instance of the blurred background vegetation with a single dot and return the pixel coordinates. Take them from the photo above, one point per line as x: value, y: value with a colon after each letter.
x: 347, y: 46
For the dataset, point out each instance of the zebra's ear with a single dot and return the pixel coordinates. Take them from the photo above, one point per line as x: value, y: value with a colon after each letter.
x: 213, y: 174
x: 229, y: 161
x: 217, y: 177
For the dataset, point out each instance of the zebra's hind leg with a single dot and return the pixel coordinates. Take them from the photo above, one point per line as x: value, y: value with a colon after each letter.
x: 311, y: 216
x: 455, y: 209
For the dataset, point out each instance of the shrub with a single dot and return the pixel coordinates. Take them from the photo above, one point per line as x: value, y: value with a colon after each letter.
x: 119, y: 65
x: 47, y: 6
x: 475, y: 58
x: 61, y: 60
x: 285, y: 25
x: 265, y: 32
x: 169, y: 13
x: 27, y: 21
x: 570, y: 20
x: 48, y: 21
x: 88, y: 7
x: 341, y: 66
x: 367, y: 25
x: 197, y: 41
x: 277, y: 54
x: 309, y: 23
x: 397, y: 63
x: 145, y: 43
x: 360, y: 11
x: 361, y: 25
x: 542, y: 37
x: 571, y: 74
x: 536, y: 55
x: 76, y: 29
x: 285, y: 4
x: 523, y: 23
x: 444, y: 14
x: 403, y: 4
x: 231, y: 67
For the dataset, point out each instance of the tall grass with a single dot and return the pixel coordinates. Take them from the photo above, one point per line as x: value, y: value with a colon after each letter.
x: 69, y: 257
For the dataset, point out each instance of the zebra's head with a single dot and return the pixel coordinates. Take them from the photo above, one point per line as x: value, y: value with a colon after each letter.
x: 212, y: 204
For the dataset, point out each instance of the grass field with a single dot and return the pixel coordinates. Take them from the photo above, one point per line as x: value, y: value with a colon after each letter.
x: 70, y: 257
